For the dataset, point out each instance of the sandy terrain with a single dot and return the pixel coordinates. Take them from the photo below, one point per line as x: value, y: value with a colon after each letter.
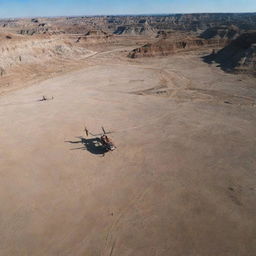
x: 181, y: 182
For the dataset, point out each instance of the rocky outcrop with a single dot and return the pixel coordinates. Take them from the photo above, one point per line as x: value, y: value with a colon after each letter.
x: 34, y: 20
x: 224, y: 33
x: 166, y: 47
x: 161, y: 34
x: 33, y: 31
x: 96, y: 33
x: 183, y: 22
x: 95, y: 36
x: 136, y: 25
x: 238, y: 56
x: 133, y: 30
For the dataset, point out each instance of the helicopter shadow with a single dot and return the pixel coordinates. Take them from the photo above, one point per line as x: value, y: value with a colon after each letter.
x: 93, y: 145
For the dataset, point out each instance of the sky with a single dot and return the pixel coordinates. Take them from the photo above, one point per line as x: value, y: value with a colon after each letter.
x: 34, y: 8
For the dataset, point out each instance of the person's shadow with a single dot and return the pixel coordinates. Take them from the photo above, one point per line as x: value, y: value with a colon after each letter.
x: 93, y: 145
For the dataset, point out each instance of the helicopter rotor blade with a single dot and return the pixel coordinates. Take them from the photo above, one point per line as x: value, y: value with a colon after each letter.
x: 96, y: 135
x: 86, y: 131
x: 103, y: 130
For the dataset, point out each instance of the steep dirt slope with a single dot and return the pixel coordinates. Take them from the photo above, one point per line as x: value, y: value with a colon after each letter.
x: 238, y: 56
x: 27, y: 58
x: 36, y: 50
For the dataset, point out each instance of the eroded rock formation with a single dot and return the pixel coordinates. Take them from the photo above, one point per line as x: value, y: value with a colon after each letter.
x: 238, y: 56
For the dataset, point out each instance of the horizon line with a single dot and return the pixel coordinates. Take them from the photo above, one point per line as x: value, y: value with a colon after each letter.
x: 116, y: 15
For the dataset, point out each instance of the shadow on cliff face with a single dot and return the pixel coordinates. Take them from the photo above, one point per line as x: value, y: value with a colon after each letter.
x: 238, y: 56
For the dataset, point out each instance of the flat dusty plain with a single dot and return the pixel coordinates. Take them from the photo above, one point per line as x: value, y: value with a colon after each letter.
x: 181, y: 181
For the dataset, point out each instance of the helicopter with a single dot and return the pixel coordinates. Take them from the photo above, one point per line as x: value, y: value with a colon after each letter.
x: 105, y: 141
x: 44, y: 98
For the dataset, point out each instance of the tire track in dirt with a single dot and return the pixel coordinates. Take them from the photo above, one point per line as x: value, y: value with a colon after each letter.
x: 110, y: 239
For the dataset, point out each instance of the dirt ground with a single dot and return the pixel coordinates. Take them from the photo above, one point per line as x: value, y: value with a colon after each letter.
x: 181, y: 181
